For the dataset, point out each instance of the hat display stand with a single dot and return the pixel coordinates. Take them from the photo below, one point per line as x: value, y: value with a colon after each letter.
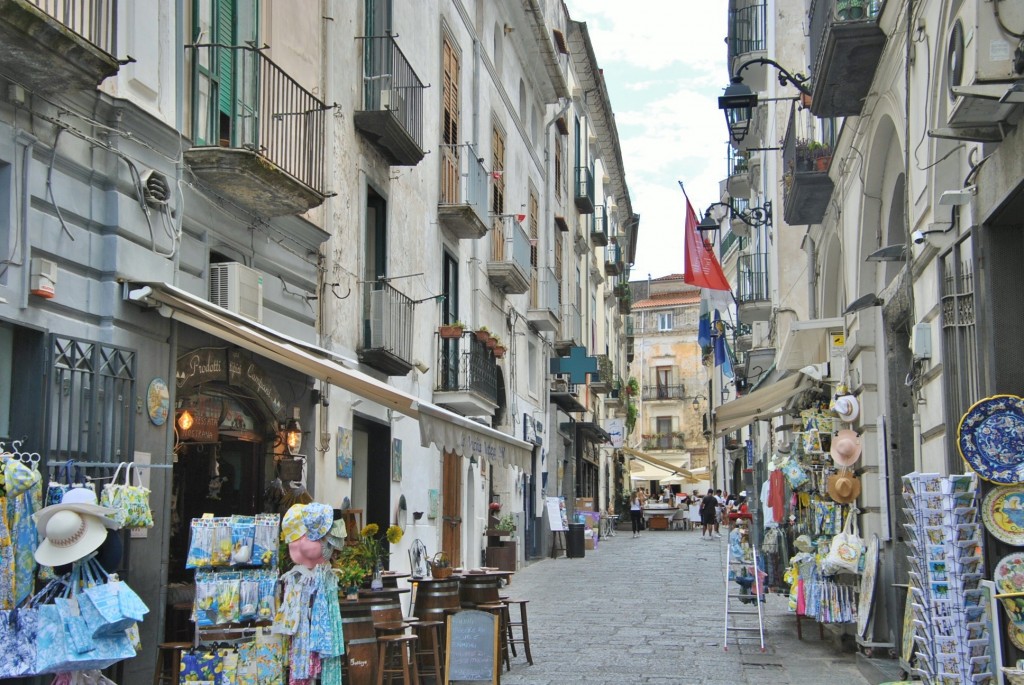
x: 950, y: 632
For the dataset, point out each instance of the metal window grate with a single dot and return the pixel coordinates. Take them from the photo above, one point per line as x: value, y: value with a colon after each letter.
x: 959, y: 338
x: 90, y: 403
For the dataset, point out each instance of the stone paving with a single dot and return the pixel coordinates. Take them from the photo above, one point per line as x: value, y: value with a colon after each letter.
x: 650, y: 610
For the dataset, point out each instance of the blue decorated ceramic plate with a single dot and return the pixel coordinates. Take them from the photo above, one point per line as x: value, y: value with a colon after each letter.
x: 991, y: 439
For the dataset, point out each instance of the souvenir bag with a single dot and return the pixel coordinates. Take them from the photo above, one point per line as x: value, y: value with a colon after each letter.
x: 18, y: 637
x: 92, y: 677
x: 130, y: 502
x: 846, y: 549
x: 794, y: 473
x: 199, y: 668
x: 109, y: 606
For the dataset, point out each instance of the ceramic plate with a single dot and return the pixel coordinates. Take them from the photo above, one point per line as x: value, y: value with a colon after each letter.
x: 991, y: 439
x: 1003, y: 513
x: 1009, y: 577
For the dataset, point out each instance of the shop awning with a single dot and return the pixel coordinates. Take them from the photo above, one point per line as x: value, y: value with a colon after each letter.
x: 660, y: 463
x: 760, y: 404
x: 445, y: 429
x: 808, y: 342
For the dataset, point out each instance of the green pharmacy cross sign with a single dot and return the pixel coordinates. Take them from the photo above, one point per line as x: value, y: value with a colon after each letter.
x: 578, y: 365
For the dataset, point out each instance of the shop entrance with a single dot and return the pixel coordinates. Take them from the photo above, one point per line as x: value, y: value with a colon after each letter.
x: 372, y: 476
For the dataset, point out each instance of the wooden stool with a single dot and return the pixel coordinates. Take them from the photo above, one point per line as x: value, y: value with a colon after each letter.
x: 500, y: 609
x: 169, y: 652
x: 523, y: 626
x: 429, y: 648
x: 396, y: 655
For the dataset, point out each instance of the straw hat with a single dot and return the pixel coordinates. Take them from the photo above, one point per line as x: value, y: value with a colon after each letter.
x: 847, y: 407
x: 803, y: 543
x: 846, y: 447
x: 70, y: 536
x: 843, y: 487
x: 78, y: 504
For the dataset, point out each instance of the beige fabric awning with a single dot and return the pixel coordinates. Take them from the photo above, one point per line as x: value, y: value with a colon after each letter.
x: 445, y: 429
x: 759, y: 404
x: 659, y: 464
x: 808, y: 342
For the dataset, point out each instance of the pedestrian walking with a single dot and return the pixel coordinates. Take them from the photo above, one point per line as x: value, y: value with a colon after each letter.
x: 694, y: 510
x: 636, y: 511
x: 720, y: 513
x: 708, y: 515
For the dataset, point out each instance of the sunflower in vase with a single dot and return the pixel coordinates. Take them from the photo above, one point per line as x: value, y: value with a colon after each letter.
x: 369, y: 551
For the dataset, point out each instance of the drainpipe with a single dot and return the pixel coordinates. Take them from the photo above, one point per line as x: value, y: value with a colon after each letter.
x: 28, y: 141
x: 808, y: 246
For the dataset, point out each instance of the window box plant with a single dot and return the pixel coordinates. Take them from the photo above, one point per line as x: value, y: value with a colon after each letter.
x: 499, y: 351
x: 451, y: 331
x: 483, y: 334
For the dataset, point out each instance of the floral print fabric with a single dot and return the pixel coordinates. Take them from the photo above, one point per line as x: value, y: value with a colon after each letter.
x: 6, y: 560
x: 18, y: 637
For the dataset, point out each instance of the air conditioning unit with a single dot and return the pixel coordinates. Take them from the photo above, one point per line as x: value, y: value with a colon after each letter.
x: 759, y: 333
x: 238, y: 289
x: 980, y: 63
x: 391, y: 99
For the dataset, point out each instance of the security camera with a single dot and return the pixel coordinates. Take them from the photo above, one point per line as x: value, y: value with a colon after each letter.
x: 918, y: 237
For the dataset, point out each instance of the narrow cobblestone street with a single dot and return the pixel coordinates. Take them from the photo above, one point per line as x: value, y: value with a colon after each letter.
x: 649, y: 610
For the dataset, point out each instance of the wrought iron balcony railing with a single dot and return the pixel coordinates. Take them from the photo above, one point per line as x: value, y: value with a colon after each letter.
x: 242, y: 100
x: 752, y: 280
x: 93, y: 20
x: 392, y: 114
x: 467, y: 365
x: 599, y: 226
x: 387, y: 329
x: 462, y: 206
x: 663, y: 442
x: 663, y: 392
x: 748, y: 29
x: 846, y: 46
x: 509, y: 268
x: 584, y: 193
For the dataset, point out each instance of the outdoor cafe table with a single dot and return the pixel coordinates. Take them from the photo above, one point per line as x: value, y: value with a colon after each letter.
x: 666, y: 511
x: 360, y: 637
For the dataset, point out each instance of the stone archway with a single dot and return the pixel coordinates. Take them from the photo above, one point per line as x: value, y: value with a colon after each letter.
x: 884, y: 181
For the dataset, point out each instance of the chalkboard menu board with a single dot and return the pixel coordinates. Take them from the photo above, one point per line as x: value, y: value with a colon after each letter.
x: 472, y: 647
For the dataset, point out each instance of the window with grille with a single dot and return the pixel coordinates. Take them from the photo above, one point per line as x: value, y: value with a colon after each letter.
x: 959, y: 335
x: 91, y: 401
x: 558, y: 169
x: 533, y: 216
x: 559, y: 240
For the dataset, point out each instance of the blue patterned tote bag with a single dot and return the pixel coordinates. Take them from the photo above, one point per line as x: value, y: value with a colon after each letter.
x: 55, y: 653
x: 109, y: 606
x: 18, y: 637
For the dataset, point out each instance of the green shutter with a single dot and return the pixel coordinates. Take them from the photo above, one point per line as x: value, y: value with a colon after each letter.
x: 224, y: 22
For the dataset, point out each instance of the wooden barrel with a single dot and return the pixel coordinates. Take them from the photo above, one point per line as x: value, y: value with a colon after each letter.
x: 360, y: 642
x: 385, y: 607
x: 478, y: 589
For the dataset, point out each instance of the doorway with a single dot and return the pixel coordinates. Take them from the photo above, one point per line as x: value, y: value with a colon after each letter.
x: 372, y: 452
x: 451, y: 508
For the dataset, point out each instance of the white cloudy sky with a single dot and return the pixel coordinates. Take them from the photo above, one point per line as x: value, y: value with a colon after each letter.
x: 664, y: 62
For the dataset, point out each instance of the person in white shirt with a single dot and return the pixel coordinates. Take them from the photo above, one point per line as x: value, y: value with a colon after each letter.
x: 636, y: 510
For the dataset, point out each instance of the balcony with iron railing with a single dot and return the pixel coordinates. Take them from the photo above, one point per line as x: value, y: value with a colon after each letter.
x: 509, y: 268
x: 58, y: 46
x: 571, y: 332
x: 738, y: 183
x: 602, y: 383
x: 467, y: 376
x: 663, y: 393
x: 257, y: 135
x: 753, y: 297
x: 462, y: 207
x: 613, y: 259
x: 806, y: 158
x: 391, y: 117
x: 583, y: 194
x: 617, y: 394
x: 387, y: 329
x: 846, y: 48
x: 565, y: 395
x: 748, y: 38
x: 663, y: 442
x: 599, y: 226
x: 544, y: 311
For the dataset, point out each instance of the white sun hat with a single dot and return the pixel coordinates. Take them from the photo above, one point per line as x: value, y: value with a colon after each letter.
x: 70, y: 536
x: 847, y: 407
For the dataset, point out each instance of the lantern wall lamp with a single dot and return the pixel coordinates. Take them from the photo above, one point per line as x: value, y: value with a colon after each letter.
x: 739, y: 100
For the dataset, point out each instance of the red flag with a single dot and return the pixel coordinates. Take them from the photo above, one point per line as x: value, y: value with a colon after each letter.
x: 702, y: 269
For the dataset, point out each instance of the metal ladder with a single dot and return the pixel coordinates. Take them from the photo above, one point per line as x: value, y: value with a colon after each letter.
x: 741, y: 632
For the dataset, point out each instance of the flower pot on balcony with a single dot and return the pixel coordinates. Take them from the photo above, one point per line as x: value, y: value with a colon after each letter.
x: 499, y: 351
x: 483, y: 336
x: 822, y: 163
x: 491, y: 343
x: 450, y: 332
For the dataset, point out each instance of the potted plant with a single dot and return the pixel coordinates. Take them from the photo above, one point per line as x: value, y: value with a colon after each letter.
x: 493, y: 342
x: 804, y: 155
x: 369, y: 552
x: 822, y: 156
x: 499, y: 350
x: 483, y: 334
x: 451, y: 331
x: 507, y: 524
x: 440, y: 566
x: 350, y: 575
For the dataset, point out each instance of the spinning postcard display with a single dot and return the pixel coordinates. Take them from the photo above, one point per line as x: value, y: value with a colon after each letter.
x: 952, y: 643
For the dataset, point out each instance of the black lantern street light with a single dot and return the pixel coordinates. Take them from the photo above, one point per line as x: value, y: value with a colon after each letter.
x: 739, y: 100
x: 754, y: 217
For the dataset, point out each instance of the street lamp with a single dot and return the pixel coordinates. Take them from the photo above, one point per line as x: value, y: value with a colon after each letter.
x: 738, y: 100
x: 755, y: 216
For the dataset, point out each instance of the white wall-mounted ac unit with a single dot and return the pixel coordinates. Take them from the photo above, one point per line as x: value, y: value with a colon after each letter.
x: 238, y: 289
x: 980, y: 62
x: 391, y: 99
x: 759, y: 333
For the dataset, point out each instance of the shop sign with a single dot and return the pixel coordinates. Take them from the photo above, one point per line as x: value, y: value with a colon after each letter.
x: 750, y: 454
x: 206, y: 415
x: 246, y: 373
x: 204, y: 365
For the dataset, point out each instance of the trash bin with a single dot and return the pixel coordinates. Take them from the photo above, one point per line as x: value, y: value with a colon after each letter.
x: 574, y: 548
